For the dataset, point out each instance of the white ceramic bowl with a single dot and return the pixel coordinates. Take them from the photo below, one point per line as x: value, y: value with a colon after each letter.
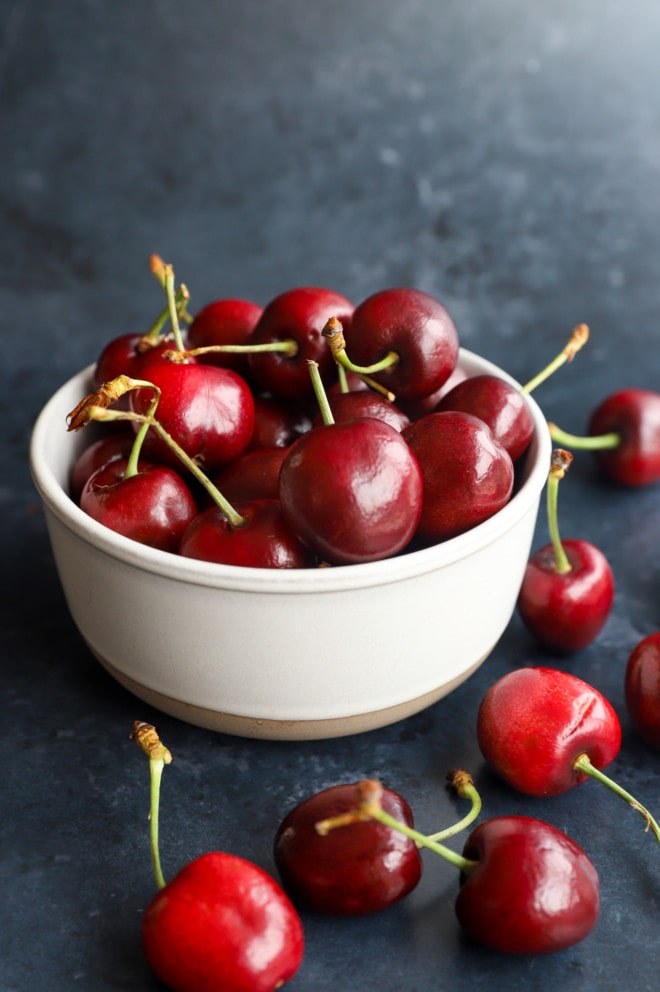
x: 288, y: 654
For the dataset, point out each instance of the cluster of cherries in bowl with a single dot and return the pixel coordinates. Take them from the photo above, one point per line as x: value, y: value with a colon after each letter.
x: 352, y: 849
x: 253, y: 438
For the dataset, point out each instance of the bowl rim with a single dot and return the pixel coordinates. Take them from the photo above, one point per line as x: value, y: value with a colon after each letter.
x: 284, y: 581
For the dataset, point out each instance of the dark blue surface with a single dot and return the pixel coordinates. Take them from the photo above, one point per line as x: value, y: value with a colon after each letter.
x: 505, y: 157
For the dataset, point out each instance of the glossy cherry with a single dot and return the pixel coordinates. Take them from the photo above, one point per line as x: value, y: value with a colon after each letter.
x: 546, y: 731
x: 568, y: 587
x: 352, y: 492
x: 278, y: 422
x: 624, y: 435
x: 403, y: 337
x: 296, y: 317
x: 96, y: 455
x: 467, y: 475
x: 208, y: 410
x: 153, y: 505
x: 261, y: 538
x: 360, y: 403
x: 253, y: 475
x: 533, y: 890
x: 499, y: 404
x: 222, y: 922
x: 642, y: 688
x: 351, y: 872
x: 227, y: 321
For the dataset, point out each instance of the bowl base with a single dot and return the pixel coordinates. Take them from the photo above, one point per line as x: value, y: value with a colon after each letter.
x: 283, y: 730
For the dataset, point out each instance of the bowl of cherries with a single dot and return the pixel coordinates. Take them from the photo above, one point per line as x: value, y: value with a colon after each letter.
x: 298, y: 520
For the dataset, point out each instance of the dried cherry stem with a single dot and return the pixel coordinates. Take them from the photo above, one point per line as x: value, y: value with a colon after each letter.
x: 559, y: 464
x: 461, y: 782
x: 582, y: 763
x: 596, y: 442
x: 579, y: 337
x: 144, y: 734
x: 369, y: 807
x: 333, y: 332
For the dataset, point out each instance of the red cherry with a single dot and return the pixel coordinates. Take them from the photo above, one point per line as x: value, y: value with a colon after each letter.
x: 568, y: 587
x: 223, y: 322
x: 534, y: 723
x: 278, y: 422
x: 414, y: 327
x: 360, y: 403
x: 299, y: 316
x: 467, y: 475
x: 263, y: 539
x: 499, y: 404
x: 355, y: 870
x: 153, y: 506
x: 642, y: 688
x: 533, y: 891
x: 253, y: 475
x: 633, y: 414
x: 208, y: 410
x: 96, y: 455
x: 566, y: 610
x: 222, y: 923
x: 352, y: 492
x: 414, y: 409
x: 129, y: 354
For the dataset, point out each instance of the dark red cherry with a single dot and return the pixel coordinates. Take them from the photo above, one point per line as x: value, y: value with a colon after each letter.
x: 153, y: 506
x: 253, y: 475
x: 224, y: 322
x: 263, y: 540
x: 467, y: 475
x: 352, y: 492
x: 566, y: 610
x: 361, y: 403
x: 96, y: 455
x: 209, y: 411
x: 533, y: 891
x: 278, y: 422
x: 129, y: 354
x: 354, y: 870
x: 416, y: 328
x: 634, y: 415
x: 499, y: 404
x: 298, y: 316
x: 642, y: 688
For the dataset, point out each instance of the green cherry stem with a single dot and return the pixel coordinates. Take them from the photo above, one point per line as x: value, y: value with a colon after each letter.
x: 578, y: 338
x: 173, y: 311
x: 461, y: 782
x: 288, y: 348
x: 583, y: 764
x: 320, y: 393
x: 369, y: 807
x: 144, y: 734
x: 559, y: 465
x: 599, y: 442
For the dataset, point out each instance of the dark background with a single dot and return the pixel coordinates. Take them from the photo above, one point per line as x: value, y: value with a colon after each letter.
x: 502, y: 156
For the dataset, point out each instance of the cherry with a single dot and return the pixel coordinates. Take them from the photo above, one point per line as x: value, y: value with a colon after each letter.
x: 296, y: 318
x: 96, y: 455
x: 546, y: 731
x: 258, y: 536
x: 253, y: 475
x: 568, y: 587
x: 278, y: 422
x: 350, y: 872
x: 642, y: 688
x: 403, y: 337
x: 152, y: 505
x: 525, y: 887
x: 467, y: 475
x: 534, y: 890
x: 222, y: 922
x: 352, y: 492
x: 361, y: 403
x: 225, y: 322
x: 624, y: 435
x: 209, y: 410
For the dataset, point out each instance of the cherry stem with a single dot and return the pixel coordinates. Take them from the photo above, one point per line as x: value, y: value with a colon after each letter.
x: 583, y: 764
x: 461, y: 782
x: 333, y: 332
x: 559, y: 464
x: 578, y: 338
x: 156, y: 329
x: 171, y: 303
x: 159, y: 269
x: 320, y: 393
x: 288, y: 347
x: 369, y: 807
x: 597, y: 442
x: 144, y: 734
